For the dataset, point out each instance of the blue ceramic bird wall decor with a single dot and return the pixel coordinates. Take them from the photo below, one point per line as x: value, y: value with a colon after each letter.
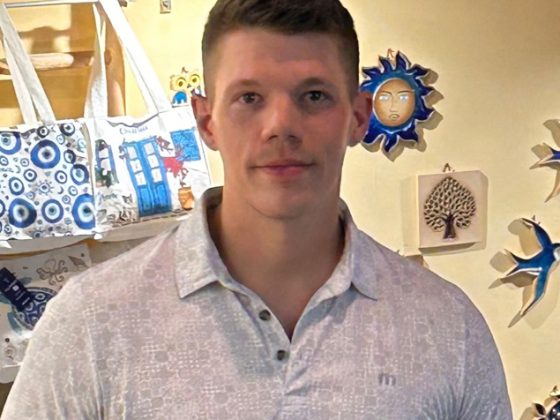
x: 552, y: 159
x: 539, y: 265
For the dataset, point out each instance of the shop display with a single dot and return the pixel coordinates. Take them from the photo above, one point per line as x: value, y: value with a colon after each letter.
x: 539, y: 265
x: 399, y: 101
x: 452, y: 208
x: 26, y: 286
x: 553, y: 413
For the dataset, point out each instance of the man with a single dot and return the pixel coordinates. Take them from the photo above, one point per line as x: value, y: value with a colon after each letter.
x: 268, y: 302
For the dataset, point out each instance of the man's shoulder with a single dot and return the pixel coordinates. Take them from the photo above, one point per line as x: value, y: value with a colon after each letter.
x: 148, y: 263
x: 400, y: 279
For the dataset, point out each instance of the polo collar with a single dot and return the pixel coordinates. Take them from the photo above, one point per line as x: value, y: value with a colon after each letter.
x: 198, y: 263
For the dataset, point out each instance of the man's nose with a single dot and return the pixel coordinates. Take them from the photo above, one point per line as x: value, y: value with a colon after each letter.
x: 282, y: 119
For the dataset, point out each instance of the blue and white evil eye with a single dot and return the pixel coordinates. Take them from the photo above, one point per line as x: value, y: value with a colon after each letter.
x: 24, y: 162
x: 4, y: 161
x: 66, y: 199
x: 81, y: 145
x: 69, y: 156
x: 67, y: 129
x: 79, y: 174
x: 83, y: 211
x: 43, y: 132
x: 45, y: 154
x: 72, y: 190
x: 16, y: 186
x: 21, y: 213
x: 61, y: 177
x: 30, y: 175
x: 10, y: 142
x: 52, y: 211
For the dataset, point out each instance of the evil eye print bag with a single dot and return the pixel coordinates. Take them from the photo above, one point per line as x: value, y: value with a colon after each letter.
x: 46, y: 196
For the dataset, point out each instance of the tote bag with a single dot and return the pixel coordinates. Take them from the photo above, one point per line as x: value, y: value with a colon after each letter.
x: 147, y: 171
x: 46, y: 191
x: 26, y: 287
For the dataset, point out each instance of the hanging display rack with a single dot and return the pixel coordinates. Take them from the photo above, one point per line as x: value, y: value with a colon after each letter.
x: 60, y: 60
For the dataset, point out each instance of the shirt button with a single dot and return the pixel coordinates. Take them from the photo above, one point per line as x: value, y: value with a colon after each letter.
x: 264, y: 315
x: 281, y: 355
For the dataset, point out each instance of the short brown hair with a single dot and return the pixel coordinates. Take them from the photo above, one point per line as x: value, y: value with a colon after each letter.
x: 287, y: 17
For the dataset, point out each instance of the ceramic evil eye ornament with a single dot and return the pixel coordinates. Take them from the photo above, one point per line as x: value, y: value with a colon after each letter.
x: 554, y: 411
x: 539, y: 265
x: 399, y: 101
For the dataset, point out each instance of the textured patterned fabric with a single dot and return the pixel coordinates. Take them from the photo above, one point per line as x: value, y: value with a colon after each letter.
x: 164, y: 332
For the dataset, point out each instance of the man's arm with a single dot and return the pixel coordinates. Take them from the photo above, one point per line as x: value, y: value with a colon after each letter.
x: 58, y: 378
x: 485, y: 394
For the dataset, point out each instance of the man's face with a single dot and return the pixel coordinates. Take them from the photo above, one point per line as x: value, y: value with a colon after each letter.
x: 280, y: 113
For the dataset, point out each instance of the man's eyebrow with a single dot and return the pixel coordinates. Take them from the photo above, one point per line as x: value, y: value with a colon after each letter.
x: 242, y: 83
x: 315, y: 81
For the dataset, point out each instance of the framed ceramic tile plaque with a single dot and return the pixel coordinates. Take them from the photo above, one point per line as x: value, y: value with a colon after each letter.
x: 452, y: 208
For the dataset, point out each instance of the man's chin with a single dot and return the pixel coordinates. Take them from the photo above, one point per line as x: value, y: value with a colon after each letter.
x: 282, y: 209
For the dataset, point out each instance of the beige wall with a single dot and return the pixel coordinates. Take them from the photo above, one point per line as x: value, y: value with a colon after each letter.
x: 499, y: 67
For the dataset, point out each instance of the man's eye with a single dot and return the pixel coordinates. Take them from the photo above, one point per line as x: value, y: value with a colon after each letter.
x: 316, y: 96
x: 249, y: 98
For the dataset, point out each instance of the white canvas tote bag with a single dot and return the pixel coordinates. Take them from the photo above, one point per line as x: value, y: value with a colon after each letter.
x: 46, y: 195
x: 149, y: 170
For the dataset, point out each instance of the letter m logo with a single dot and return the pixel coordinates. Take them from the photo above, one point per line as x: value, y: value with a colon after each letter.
x: 385, y: 379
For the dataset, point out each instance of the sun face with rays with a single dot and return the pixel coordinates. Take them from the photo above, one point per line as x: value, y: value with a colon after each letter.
x: 398, y: 101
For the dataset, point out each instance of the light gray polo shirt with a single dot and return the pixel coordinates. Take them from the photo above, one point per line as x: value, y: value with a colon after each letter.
x: 164, y: 332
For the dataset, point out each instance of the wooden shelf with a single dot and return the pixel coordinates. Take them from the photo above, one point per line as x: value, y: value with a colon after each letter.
x: 57, y: 61
x: 54, y: 61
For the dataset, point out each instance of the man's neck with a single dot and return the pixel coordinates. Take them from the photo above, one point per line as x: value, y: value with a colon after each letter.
x: 284, y: 261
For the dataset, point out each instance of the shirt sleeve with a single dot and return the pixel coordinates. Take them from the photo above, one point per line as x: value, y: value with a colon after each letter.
x: 485, y: 394
x: 57, y: 379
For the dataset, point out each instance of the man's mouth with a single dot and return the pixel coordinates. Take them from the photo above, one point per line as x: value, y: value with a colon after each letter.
x: 284, y: 167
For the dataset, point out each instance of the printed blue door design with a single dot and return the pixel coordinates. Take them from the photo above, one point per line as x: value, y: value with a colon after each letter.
x: 148, y: 176
x: 186, y: 145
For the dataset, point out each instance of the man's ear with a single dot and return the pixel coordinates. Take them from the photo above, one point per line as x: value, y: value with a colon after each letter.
x: 362, y: 108
x: 203, y: 114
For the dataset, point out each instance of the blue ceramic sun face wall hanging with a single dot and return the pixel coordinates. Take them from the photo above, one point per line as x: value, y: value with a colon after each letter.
x: 399, y: 101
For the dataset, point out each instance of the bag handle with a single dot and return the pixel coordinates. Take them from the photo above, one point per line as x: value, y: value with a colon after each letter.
x: 26, y: 79
x: 22, y: 93
x: 143, y: 72
x: 96, y: 104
